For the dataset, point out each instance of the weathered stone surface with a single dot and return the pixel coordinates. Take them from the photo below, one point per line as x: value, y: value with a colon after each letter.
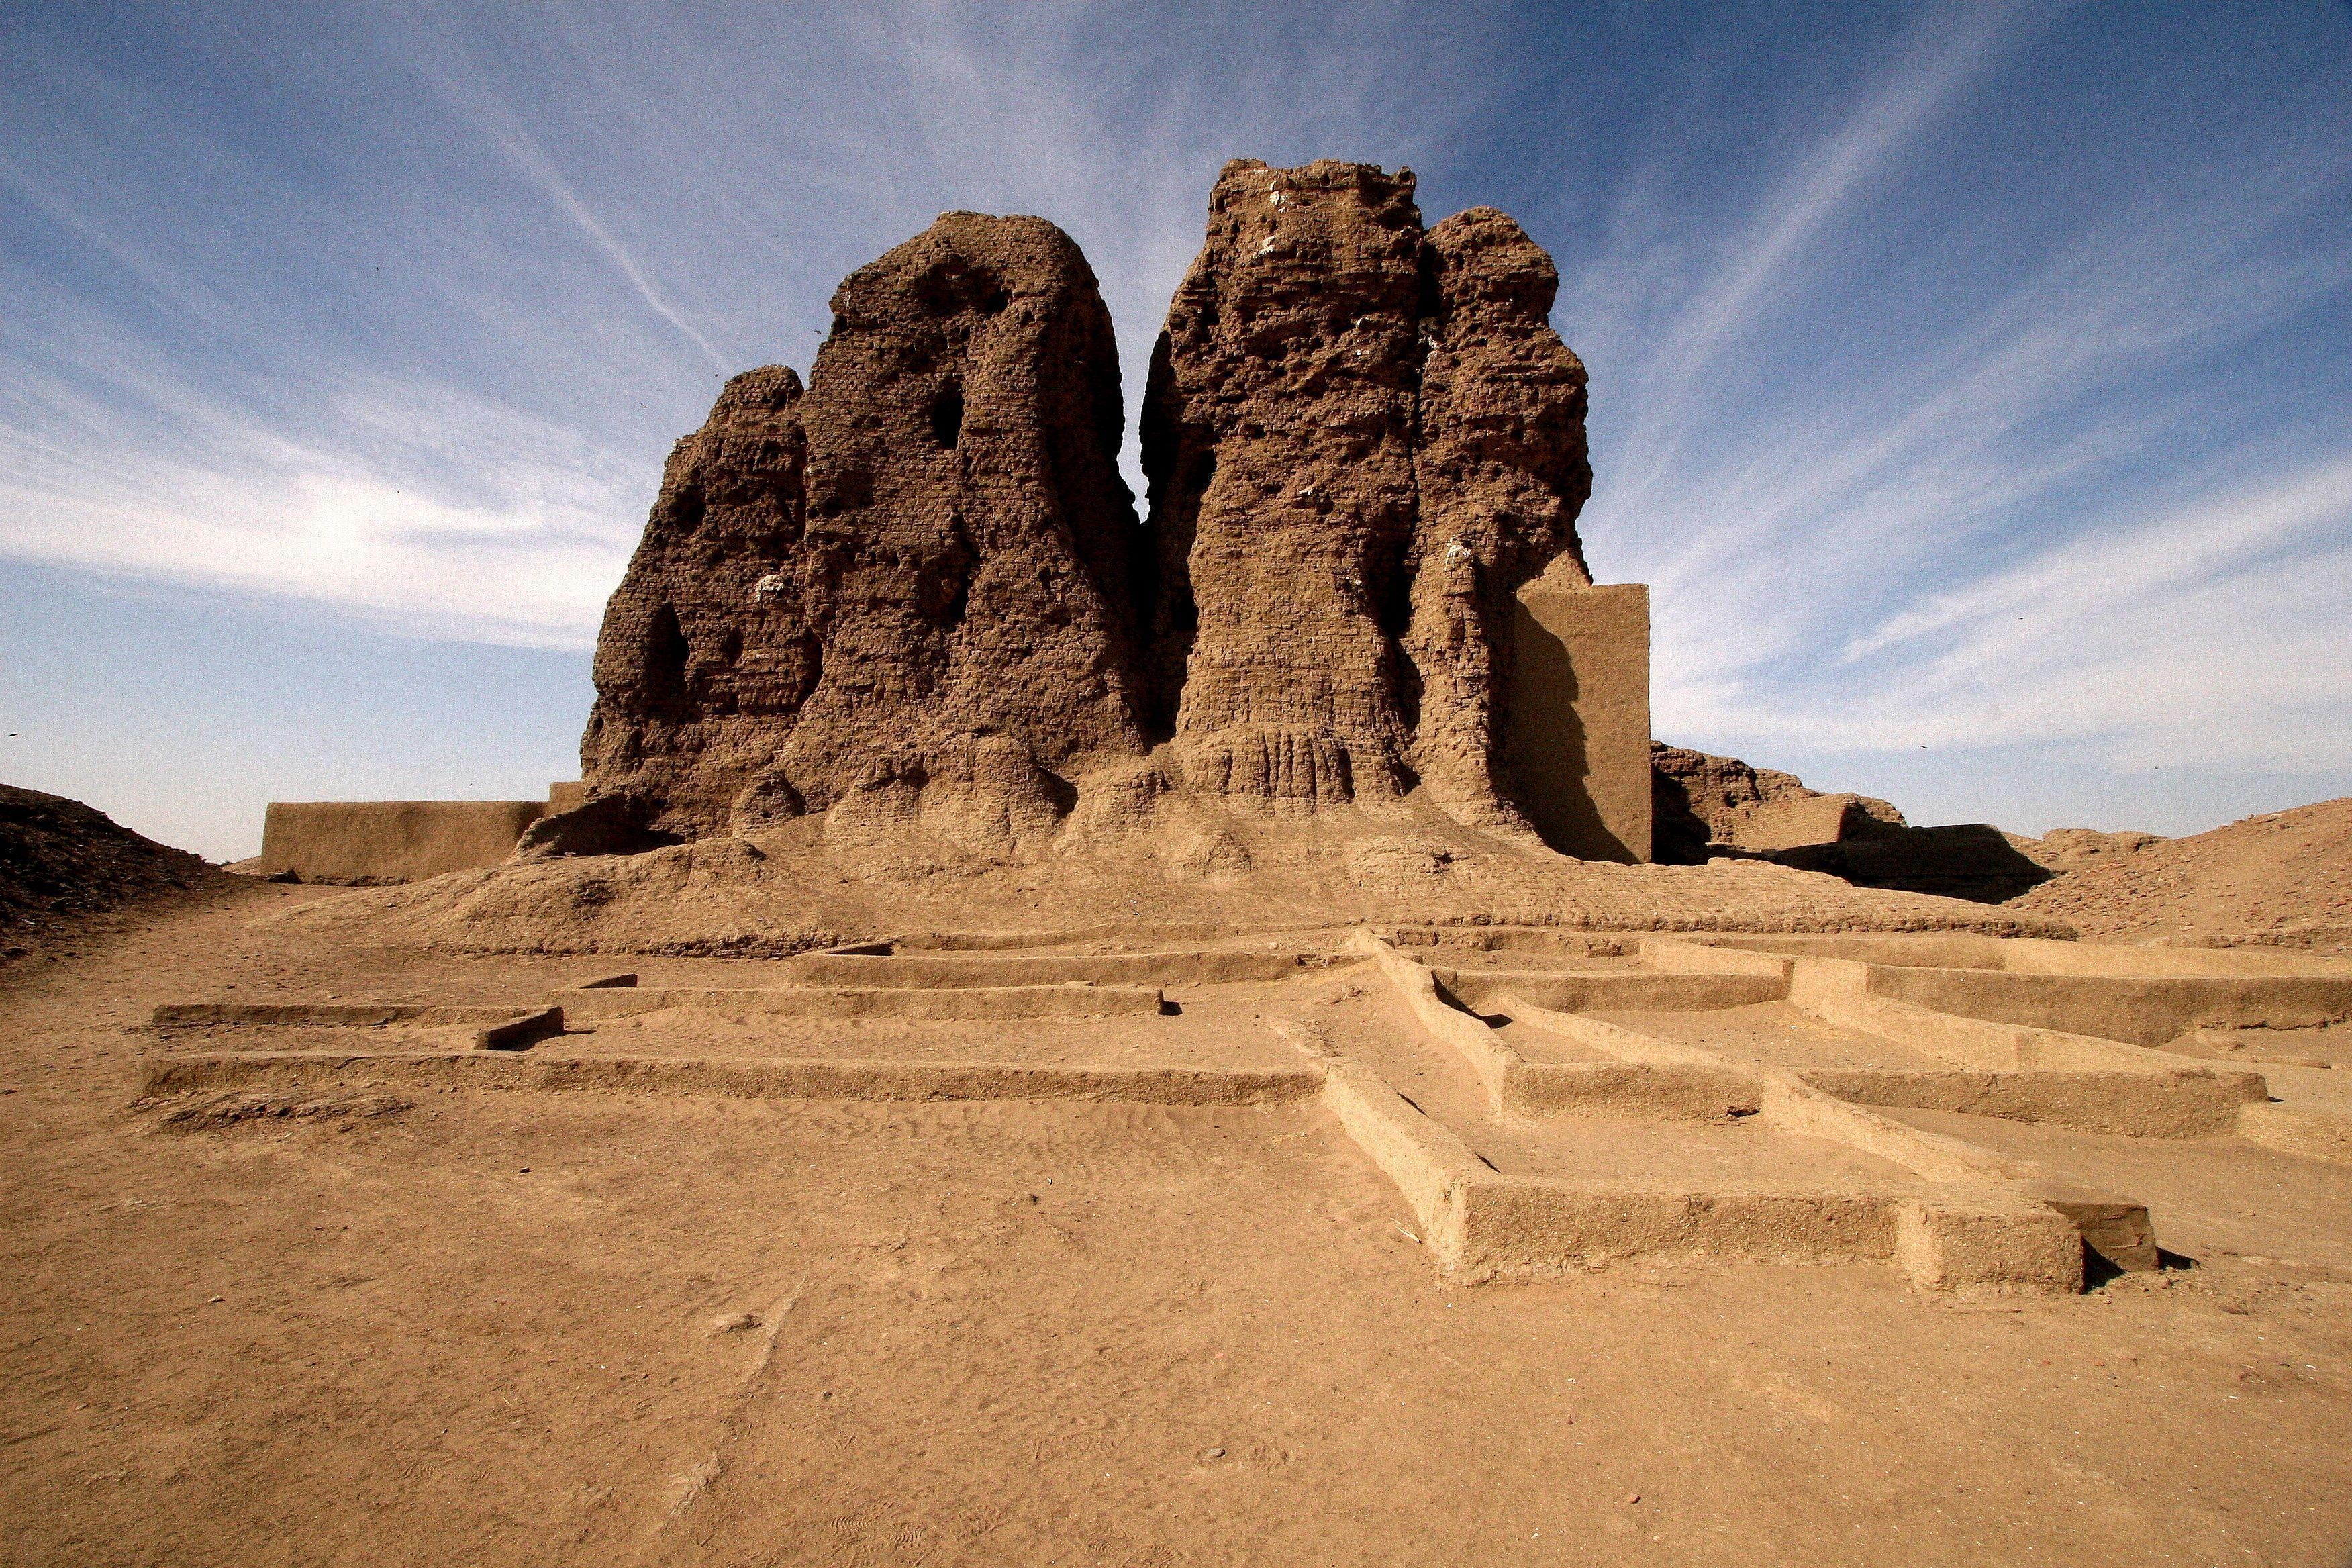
x: 705, y: 658
x: 2063, y: 849
x: 911, y: 585
x: 608, y: 824
x: 1707, y: 805
x: 1360, y: 438
x: 1502, y: 473
x: 915, y: 598
x: 1703, y: 799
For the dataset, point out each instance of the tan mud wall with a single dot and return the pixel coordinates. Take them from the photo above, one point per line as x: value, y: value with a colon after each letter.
x: 1612, y: 991
x: 1793, y: 824
x: 2034, y: 955
x: 390, y: 840
x: 1578, y: 732
x: 2145, y: 1010
x: 946, y: 1002
x: 2028, y: 955
x: 747, y: 1079
x: 1937, y: 950
x: 924, y: 971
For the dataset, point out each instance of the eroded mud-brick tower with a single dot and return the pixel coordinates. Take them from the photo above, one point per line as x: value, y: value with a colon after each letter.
x: 918, y: 591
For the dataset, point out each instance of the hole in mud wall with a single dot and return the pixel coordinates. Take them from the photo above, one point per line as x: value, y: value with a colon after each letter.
x: 667, y: 653
x: 1408, y: 691
x: 1391, y: 589
x: 802, y: 668
x: 1431, y: 304
x: 947, y: 417
x: 943, y: 587
x: 1204, y: 470
x: 955, y: 286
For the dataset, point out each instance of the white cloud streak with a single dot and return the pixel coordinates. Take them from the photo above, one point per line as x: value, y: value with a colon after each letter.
x: 2018, y: 531
x: 1942, y: 57
x: 1848, y: 405
x: 461, y: 79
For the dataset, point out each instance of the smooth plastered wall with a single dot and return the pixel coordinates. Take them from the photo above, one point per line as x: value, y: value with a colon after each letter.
x: 391, y: 840
x: 1576, y: 733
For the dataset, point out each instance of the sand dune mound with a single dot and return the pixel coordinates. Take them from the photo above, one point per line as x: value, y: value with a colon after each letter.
x: 2284, y: 878
x: 61, y: 861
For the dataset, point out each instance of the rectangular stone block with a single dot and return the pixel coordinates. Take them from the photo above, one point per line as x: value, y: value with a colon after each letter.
x: 2000, y: 1245
x: 1793, y: 824
x: 1576, y: 733
x: 390, y: 840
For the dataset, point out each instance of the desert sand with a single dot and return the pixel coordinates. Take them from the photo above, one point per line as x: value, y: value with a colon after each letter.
x: 534, y: 1328
x: 2280, y: 879
x: 1052, y: 1036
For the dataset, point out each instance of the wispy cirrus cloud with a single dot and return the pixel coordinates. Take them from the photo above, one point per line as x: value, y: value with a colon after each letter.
x: 1765, y: 260
x: 2212, y: 635
x: 1904, y: 324
x: 391, y: 522
x: 2076, y: 489
x: 570, y: 207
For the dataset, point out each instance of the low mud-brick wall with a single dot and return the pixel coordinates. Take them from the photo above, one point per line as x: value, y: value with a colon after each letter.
x: 390, y: 840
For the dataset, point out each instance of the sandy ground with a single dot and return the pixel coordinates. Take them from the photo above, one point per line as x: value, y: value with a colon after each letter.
x: 2281, y: 879
x: 487, y: 1328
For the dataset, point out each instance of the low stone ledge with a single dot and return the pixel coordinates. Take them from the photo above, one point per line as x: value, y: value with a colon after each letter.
x: 2312, y: 1134
x: 1996, y: 1244
x: 929, y: 971
x: 764, y: 1077
x: 360, y: 1014
x: 2118, y: 1229
x: 2135, y: 1105
x: 943, y: 1002
x: 1614, y: 991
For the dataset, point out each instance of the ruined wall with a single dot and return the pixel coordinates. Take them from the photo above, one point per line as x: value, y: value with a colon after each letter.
x: 914, y: 597
x: 389, y: 840
x: 1361, y: 438
x: 1577, y: 729
x: 1703, y: 799
x: 1502, y: 472
x: 910, y: 584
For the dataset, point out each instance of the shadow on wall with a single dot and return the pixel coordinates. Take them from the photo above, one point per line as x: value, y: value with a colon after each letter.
x: 1971, y: 860
x: 1550, y: 755
x: 1679, y: 836
x: 1707, y: 807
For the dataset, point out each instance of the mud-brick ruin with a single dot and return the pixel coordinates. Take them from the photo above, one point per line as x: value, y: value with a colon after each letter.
x: 923, y: 768
x: 918, y: 590
x: 915, y: 594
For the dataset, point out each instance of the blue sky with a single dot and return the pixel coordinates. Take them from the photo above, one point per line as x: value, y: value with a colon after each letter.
x: 1973, y: 385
